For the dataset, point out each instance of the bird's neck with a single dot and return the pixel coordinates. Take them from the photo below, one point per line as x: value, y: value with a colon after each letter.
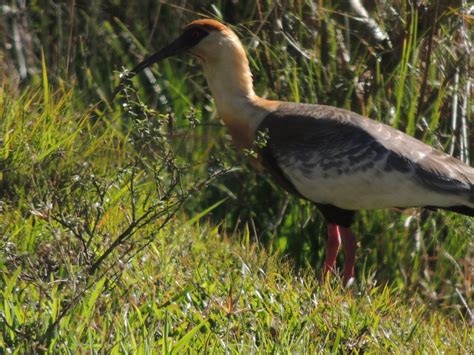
x: 230, y: 82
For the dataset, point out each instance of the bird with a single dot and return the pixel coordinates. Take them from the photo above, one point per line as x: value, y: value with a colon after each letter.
x: 337, y: 159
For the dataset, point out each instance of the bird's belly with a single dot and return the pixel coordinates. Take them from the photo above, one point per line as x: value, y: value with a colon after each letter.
x: 353, y: 190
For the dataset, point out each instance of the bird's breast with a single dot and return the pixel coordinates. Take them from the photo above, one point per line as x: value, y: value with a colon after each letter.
x: 242, y: 135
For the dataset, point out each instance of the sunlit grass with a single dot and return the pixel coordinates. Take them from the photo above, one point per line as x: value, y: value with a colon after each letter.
x: 195, y: 289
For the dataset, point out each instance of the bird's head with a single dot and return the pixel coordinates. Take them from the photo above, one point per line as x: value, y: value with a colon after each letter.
x: 220, y: 51
x: 208, y: 40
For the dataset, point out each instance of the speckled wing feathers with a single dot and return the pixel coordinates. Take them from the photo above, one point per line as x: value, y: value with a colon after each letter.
x: 333, y: 156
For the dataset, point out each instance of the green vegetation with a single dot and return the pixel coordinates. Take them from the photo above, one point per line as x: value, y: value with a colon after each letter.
x: 133, y: 226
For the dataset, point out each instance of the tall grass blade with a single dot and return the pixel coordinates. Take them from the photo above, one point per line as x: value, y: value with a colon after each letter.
x: 186, y: 339
x: 45, y: 79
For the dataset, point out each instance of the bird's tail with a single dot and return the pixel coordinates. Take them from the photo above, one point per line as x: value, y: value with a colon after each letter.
x: 465, y: 210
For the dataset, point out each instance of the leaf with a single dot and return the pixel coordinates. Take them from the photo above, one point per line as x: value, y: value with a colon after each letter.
x: 185, y: 340
x: 206, y: 211
x: 45, y: 79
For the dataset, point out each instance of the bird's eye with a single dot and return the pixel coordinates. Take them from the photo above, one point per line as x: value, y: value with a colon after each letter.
x: 194, y: 35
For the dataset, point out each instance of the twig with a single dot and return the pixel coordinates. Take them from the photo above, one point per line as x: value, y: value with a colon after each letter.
x: 71, y: 32
x: 463, y: 301
x: 467, y: 47
x: 464, y: 126
x: 19, y: 49
x: 376, y: 31
x: 454, y: 112
x: 429, y: 51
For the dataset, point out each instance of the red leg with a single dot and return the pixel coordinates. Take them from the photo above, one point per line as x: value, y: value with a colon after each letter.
x: 350, y: 246
x: 332, y: 248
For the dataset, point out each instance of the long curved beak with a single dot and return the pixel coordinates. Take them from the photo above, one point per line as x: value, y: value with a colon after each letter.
x: 178, y: 46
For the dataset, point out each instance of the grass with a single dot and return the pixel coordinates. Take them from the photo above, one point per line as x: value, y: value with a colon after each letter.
x: 197, y: 289
x: 133, y: 226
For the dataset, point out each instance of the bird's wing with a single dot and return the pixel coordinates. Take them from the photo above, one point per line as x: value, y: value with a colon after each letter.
x: 434, y: 168
x: 334, y: 156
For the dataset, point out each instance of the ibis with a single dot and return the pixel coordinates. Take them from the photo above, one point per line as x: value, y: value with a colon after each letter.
x: 337, y: 159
